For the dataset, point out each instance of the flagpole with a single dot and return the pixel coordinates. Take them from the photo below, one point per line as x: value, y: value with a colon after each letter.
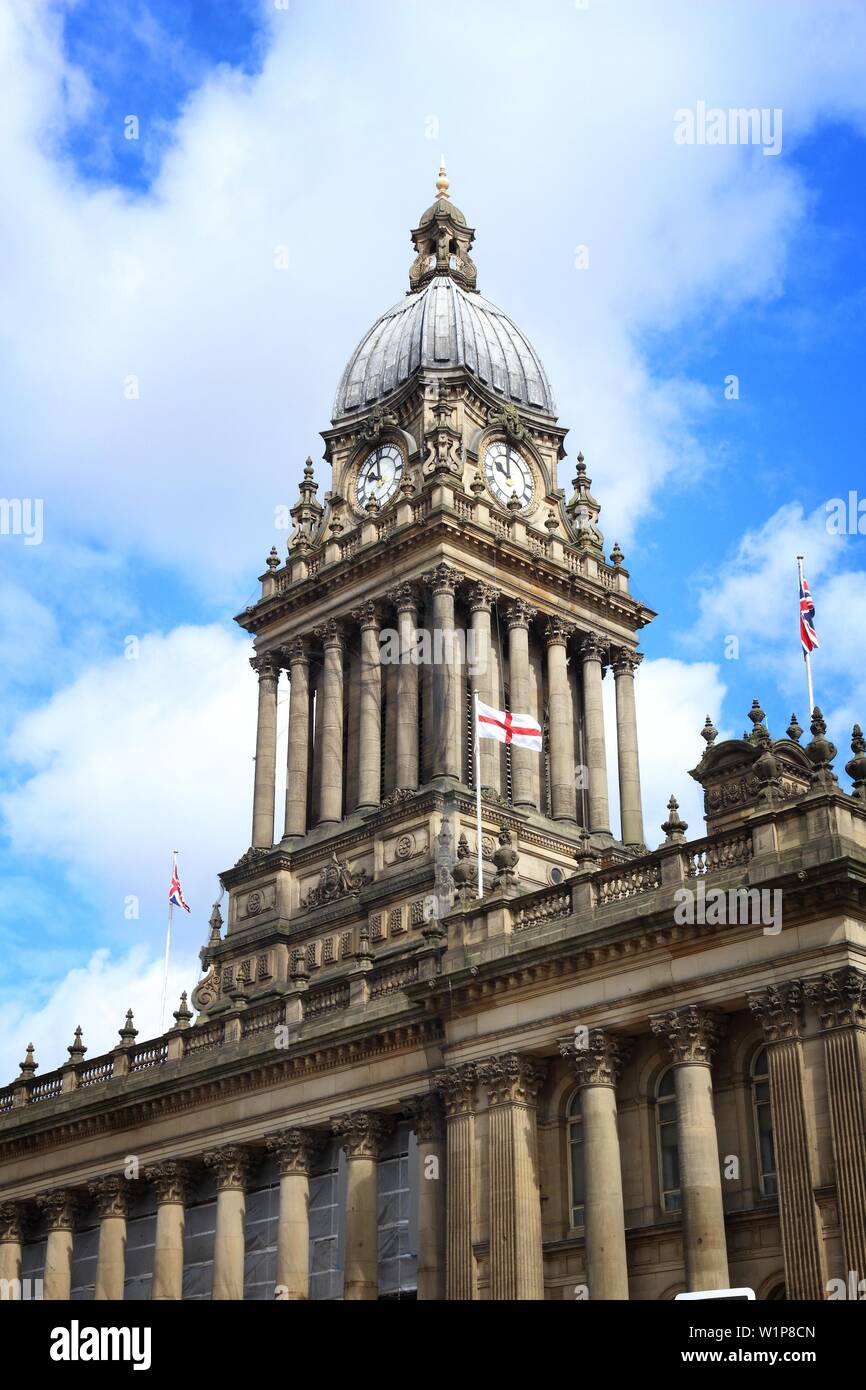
x: 477, y: 768
x: 167, y: 946
x: 806, y: 655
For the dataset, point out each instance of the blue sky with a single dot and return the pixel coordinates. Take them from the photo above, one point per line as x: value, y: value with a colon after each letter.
x: 318, y: 127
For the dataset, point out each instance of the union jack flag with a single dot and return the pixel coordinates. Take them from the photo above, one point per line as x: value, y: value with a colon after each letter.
x: 175, y: 893
x: 808, y: 635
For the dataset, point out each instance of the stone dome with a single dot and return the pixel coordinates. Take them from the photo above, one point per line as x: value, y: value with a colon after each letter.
x: 444, y: 325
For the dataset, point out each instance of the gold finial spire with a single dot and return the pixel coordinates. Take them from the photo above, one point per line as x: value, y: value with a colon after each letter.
x: 442, y: 184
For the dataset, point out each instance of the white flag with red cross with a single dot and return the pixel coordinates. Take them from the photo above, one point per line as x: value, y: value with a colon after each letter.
x: 508, y: 727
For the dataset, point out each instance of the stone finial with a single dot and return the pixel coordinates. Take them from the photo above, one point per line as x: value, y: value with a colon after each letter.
x: 506, y: 858
x: 551, y: 523
x: 759, y: 734
x: 477, y: 484
x: 616, y: 555
x: 821, y: 752
x: 709, y: 732
x: 128, y: 1033
x: 674, y: 827
x: 335, y: 525
x: 442, y: 183
x: 856, y: 766
x: 586, y: 855
x: 215, y: 922
x: 183, y: 1015
x: 29, y: 1065
x: 76, y: 1048
x: 273, y: 561
x: 463, y: 872
x: 793, y: 730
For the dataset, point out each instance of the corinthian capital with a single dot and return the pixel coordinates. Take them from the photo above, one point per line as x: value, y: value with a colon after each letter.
x: 171, y: 1180
x: 111, y: 1195
x: 625, y: 661
x: 512, y: 1079
x: 231, y: 1166
x: 592, y: 648
x: 481, y: 595
x: 458, y: 1088
x: 557, y: 632
x: 60, y: 1209
x: 780, y: 1010
x: 330, y: 633
x: 443, y: 579
x: 691, y: 1033
x: 404, y: 597
x: 267, y: 667
x: 518, y: 613
x: 11, y: 1221
x: 601, y: 1061
x: 296, y: 652
x: 362, y: 1133
x: 295, y: 1150
x: 839, y: 996
x: 426, y: 1117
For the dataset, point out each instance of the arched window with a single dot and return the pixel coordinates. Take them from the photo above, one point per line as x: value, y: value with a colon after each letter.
x: 668, y: 1144
x: 576, y: 1188
x: 765, y: 1147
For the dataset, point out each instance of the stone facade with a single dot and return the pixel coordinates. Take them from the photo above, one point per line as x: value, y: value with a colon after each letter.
x: 614, y: 1076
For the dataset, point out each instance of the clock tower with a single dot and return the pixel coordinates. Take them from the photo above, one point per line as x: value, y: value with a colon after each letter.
x: 444, y: 560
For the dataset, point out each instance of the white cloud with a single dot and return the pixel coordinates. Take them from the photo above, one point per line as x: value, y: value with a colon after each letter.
x: 237, y: 361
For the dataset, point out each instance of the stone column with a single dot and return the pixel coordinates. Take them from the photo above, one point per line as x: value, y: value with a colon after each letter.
x: 516, y: 1265
x: 480, y: 666
x: 591, y: 651
x: 445, y: 655
x: 840, y: 998
x: 298, y: 754
x: 11, y: 1242
x: 691, y: 1035
x: 331, y: 751
x: 780, y: 1009
x: 60, y: 1211
x: 295, y: 1149
x: 171, y: 1180
x: 625, y: 664
x: 560, y: 720
x: 361, y: 1135
x: 405, y: 600
x: 370, y: 714
x: 458, y: 1087
x: 597, y: 1068
x: 264, y: 788
x: 112, y: 1200
x: 428, y: 1123
x: 231, y: 1166
x: 518, y: 616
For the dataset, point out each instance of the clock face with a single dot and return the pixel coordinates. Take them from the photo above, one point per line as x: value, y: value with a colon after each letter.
x: 508, y: 475
x: 379, y: 475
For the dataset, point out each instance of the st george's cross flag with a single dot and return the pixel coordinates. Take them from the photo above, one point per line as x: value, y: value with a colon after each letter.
x: 175, y: 894
x: 808, y: 635
x: 507, y: 727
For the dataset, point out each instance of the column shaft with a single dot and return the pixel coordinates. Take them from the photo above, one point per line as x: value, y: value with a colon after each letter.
x: 691, y: 1034
x: 298, y: 754
x: 457, y: 1087
x: 445, y: 655
x: 370, y: 720
x: 560, y: 717
x: 331, y: 751
x: 427, y: 1120
x: 480, y: 666
x: 628, y: 765
x: 11, y: 1248
x: 362, y: 1136
x: 58, y: 1264
x: 294, y: 1149
x: 231, y: 1165
x: 170, y: 1179
x: 264, y: 788
x: 405, y: 601
x: 523, y: 760
x: 593, y: 726
x: 516, y: 1265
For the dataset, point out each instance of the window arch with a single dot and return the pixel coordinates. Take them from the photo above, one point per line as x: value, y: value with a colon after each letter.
x: 668, y: 1142
x: 762, y: 1114
x: 576, y: 1187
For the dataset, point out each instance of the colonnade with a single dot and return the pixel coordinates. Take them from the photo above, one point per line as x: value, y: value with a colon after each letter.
x: 573, y: 668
